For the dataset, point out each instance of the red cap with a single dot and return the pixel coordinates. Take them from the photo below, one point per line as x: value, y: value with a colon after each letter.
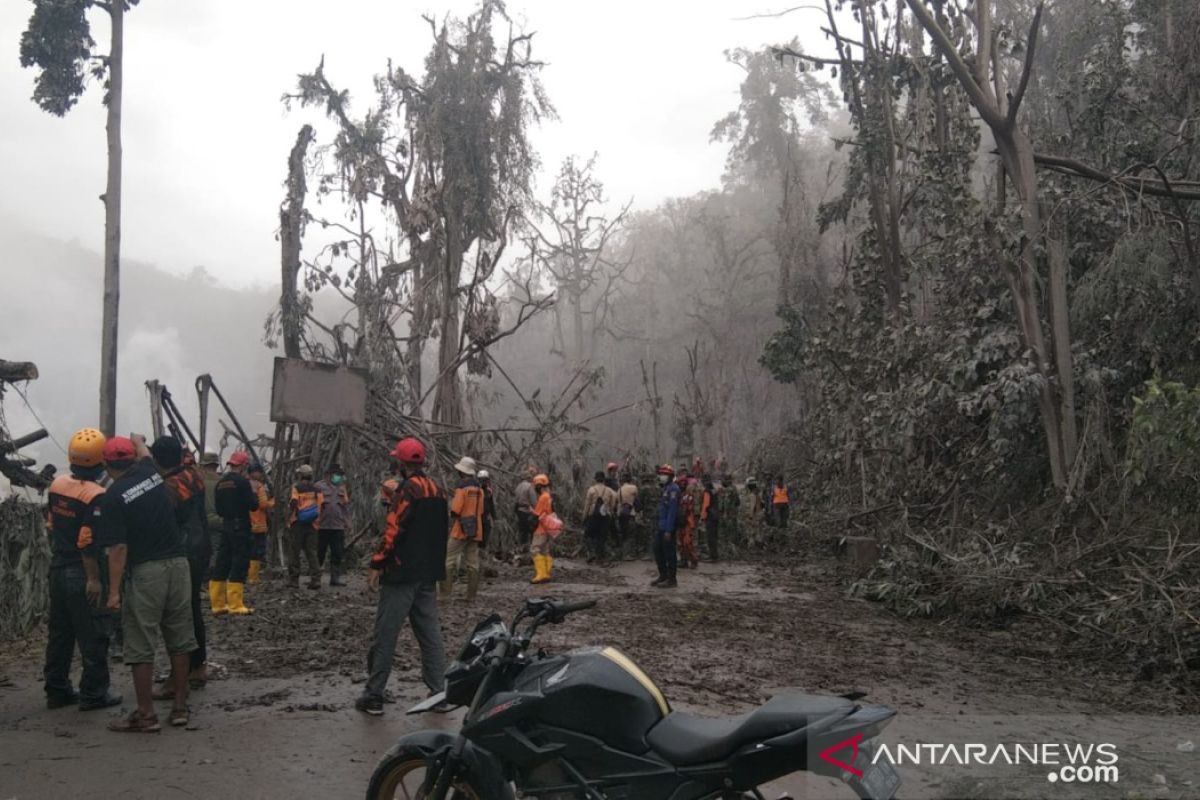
x: 239, y: 458
x: 409, y: 451
x: 119, y: 448
x: 612, y: 465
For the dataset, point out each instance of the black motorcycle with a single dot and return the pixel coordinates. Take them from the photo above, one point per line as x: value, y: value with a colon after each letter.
x: 590, y: 724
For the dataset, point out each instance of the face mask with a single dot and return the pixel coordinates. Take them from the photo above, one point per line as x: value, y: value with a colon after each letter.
x: 662, y: 480
x: 336, y: 480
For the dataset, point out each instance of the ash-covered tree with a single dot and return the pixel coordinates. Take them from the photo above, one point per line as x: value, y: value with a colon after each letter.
x: 59, y: 44
x: 574, y: 244
x: 447, y: 156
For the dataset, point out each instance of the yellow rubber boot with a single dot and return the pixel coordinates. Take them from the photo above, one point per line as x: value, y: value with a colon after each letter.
x: 237, y: 599
x: 542, y: 566
x: 549, y: 566
x: 218, y: 597
x: 252, y: 575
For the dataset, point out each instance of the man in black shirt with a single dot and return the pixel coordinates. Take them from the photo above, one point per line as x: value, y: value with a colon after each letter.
x: 138, y: 527
x: 235, y: 498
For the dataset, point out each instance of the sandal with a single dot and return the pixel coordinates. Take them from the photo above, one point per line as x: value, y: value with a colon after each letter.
x: 136, y: 723
x: 180, y: 717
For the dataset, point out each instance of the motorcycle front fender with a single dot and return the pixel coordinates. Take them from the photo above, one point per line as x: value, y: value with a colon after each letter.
x: 481, y: 764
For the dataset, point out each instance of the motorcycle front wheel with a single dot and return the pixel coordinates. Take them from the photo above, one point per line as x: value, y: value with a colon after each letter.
x: 402, y: 775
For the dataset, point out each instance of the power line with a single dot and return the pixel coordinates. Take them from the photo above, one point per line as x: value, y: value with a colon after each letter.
x: 29, y: 406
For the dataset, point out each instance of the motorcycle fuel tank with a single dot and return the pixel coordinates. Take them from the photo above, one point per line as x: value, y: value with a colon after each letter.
x: 597, y: 692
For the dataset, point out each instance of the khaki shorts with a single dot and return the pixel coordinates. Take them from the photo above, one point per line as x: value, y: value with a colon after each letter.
x: 158, y: 598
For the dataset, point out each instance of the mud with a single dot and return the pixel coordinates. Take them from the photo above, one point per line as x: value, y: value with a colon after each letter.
x: 277, y: 720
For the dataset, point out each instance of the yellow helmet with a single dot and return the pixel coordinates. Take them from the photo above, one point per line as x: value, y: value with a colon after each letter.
x: 86, y: 448
x: 541, y: 480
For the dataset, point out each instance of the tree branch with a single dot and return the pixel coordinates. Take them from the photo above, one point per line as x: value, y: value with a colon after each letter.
x: 1027, y: 69
x: 965, y: 76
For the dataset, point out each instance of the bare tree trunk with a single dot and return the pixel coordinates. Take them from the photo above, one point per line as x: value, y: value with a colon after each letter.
x: 447, y: 398
x: 291, y: 226
x: 999, y: 108
x: 1060, y: 335
x: 112, y: 227
x: 1017, y: 152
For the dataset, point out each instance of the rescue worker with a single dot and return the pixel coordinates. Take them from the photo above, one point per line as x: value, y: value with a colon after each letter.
x: 731, y: 505
x: 525, y: 499
x: 628, y: 504
x: 260, y: 522
x: 489, y: 507
x: 331, y: 527
x: 466, y: 529
x: 599, y: 509
x: 410, y: 561
x: 667, y: 524
x: 648, y: 496
x: 235, y: 499
x: 543, y: 561
x: 688, y: 556
x: 387, y: 490
x: 185, y: 488
x: 210, y: 470
x: 76, y: 583
x: 304, y: 510
x: 710, y: 515
x: 610, y: 476
x: 781, y: 501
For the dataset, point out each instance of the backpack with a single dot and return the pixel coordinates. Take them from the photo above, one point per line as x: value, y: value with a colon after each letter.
x: 308, y: 514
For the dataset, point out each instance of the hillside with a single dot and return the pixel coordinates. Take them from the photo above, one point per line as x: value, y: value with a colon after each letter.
x: 173, y: 328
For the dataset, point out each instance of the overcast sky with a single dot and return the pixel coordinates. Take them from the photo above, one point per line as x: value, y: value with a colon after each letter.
x: 206, y: 137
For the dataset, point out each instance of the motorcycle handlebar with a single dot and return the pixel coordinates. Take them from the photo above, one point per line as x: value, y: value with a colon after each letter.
x: 562, y: 609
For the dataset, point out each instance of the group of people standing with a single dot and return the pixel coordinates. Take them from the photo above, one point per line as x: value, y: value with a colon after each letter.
x: 132, y: 526
x: 112, y: 537
x: 127, y: 532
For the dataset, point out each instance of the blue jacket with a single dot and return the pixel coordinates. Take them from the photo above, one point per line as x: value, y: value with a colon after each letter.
x: 668, y: 507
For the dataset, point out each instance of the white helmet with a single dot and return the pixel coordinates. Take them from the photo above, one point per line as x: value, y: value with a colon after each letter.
x: 483, y: 475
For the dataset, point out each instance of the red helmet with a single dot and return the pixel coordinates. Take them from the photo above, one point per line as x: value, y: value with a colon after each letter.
x: 612, y: 465
x: 239, y: 458
x: 410, y: 451
x: 119, y: 448
x: 666, y: 469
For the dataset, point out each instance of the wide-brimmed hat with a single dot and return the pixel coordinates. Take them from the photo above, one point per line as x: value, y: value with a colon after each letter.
x: 466, y: 465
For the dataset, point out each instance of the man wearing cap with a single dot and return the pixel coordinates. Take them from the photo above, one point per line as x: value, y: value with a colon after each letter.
x: 489, y: 506
x: 210, y: 470
x: 526, y: 498
x: 466, y: 529
x: 185, y: 487
x: 406, y: 568
x: 331, y: 527
x: 304, y: 511
x: 138, y: 528
x: 235, y: 499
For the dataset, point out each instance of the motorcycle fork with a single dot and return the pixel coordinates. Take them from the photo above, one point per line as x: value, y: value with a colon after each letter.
x: 446, y: 772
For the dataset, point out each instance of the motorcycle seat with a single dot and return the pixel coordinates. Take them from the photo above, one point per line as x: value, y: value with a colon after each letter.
x: 686, y: 740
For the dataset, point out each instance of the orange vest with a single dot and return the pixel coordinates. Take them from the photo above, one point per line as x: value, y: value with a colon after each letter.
x: 303, y: 500
x: 779, y: 496
x: 258, y: 519
x: 467, y: 509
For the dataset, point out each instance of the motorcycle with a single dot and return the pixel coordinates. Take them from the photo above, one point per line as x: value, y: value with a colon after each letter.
x: 590, y: 724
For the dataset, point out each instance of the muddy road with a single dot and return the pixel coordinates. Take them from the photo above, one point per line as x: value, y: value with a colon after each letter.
x: 278, y: 721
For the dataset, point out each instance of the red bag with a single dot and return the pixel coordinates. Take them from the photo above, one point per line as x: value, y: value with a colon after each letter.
x: 552, y: 524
